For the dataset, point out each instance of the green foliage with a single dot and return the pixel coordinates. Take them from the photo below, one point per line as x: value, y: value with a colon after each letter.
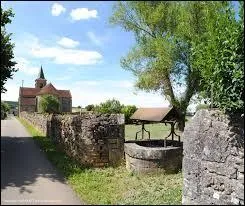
x: 128, y: 112
x: 7, y: 64
x: 5, y: 107
x: 184, y: 44
x: 202, y: 106
x: 90, y: 107
x: 111, y: 106
x: 49, y: 104
x: 220, y: 59
x: 161, y: 61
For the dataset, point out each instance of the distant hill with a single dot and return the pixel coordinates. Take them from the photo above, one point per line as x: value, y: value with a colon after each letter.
x: 12, y: 104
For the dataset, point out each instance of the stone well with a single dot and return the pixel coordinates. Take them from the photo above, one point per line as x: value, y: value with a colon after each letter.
x: 153, y: 156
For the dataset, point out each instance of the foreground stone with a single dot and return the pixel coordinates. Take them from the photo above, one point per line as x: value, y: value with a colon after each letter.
x: 213, y: 163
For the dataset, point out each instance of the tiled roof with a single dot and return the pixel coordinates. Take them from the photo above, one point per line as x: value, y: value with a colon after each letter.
x: 48, y: 89
x: 30, y: 92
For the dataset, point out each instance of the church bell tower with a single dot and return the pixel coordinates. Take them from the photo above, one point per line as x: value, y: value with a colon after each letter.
x: 40, y: 82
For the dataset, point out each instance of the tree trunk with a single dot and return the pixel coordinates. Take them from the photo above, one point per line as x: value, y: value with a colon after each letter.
x: 181, y: 119
x: 181, y: 123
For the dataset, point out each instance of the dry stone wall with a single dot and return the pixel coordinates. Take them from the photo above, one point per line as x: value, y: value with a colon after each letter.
x: 38, y: 120
x: 92, y: 139
x: 213, y: 163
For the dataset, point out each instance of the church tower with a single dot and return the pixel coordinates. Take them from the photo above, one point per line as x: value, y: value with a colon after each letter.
x: 40, y: 81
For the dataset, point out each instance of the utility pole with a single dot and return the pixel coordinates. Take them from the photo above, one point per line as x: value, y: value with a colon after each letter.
x: 22, y: 82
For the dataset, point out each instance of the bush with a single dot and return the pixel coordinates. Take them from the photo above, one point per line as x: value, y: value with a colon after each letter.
x: 128, y: 112
x: 110, y: 106
x: 5, y: 107
x: 49, y: 104
x: 89, y: 107
x: 114, y: 107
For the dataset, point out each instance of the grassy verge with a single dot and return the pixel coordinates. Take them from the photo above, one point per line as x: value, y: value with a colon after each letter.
x: 111, y: 185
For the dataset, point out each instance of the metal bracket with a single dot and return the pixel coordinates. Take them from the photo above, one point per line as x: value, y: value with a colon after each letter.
x: 172, y: 132
x: 142, y: 131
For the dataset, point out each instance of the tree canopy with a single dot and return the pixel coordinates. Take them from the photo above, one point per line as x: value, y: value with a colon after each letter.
x: 169, y: 39
x: 7, y: 55
x: 49, y: 103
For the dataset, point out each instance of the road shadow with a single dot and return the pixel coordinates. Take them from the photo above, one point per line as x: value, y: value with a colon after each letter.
x: 22, y: 162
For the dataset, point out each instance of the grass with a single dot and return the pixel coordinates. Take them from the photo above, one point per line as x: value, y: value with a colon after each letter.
x: 157, y: 131
x: 111, y: 185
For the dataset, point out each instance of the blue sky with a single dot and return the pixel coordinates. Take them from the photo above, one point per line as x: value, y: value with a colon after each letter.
x: 78, y: 50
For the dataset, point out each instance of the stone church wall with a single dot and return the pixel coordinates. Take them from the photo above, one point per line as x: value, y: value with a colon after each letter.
x: 213, y: 163
x: 66, y: 104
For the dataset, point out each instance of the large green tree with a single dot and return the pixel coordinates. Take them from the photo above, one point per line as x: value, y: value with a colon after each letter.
x: 167, y: 34
x: 7, y: 55
x: 221, y: 59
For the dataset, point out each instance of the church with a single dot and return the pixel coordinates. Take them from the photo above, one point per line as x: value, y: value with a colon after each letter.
x: 28, y: 97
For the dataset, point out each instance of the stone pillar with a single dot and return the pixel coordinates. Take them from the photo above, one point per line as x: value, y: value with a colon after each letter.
x: 213, y: 163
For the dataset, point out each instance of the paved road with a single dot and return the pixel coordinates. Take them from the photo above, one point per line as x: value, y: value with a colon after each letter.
x: 27, y: 177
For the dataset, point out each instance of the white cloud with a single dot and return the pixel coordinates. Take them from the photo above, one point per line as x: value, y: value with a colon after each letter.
x: 25, y: 66
x: 65, y: 56
x: 68, y: 43
x: 83, y: 13
x: 57, y: 9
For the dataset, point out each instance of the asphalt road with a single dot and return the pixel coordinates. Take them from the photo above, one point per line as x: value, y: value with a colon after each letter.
x: 27, y: 177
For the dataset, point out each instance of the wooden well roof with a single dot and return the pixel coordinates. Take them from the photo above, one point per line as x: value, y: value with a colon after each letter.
x: 153, y: 114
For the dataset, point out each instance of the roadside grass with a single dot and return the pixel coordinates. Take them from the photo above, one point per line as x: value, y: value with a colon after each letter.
x: 110, y: 185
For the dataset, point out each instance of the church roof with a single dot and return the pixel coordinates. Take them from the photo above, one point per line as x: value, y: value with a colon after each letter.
x: 28, y: 92
x: 33, y: 92
x: 48, y: 89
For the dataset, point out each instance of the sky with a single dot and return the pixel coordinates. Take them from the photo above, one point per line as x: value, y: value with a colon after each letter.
x: 78, y: 50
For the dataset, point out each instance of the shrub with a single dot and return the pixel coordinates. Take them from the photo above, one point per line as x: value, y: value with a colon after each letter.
x: 5, y: 107
x: 109, y: 106
x: 128, y: 112
x: 49, y: 104
x: 89, y: 107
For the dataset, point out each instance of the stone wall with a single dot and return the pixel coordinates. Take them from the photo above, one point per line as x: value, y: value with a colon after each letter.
x: 38, y: 120
x: 213, y: 163
x: 92, y: 139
